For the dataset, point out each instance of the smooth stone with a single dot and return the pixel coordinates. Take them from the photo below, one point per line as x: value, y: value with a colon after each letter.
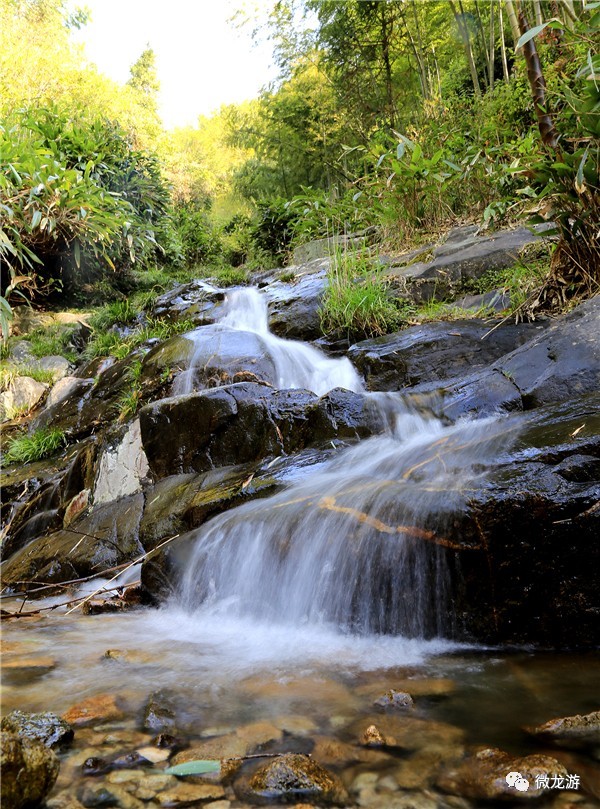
x: 395, y: 699
x: 185, y: 794
x: 408, y: 732
x: 19, y: 670
x: 93, y: 710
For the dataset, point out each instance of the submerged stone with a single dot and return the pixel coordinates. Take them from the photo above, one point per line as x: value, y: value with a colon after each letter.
x: 298, y: 777
x: 570, y: 731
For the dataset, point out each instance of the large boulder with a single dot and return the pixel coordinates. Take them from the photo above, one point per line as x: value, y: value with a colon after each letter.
x: 245, y: 422
x: 29, y: 770
x: 439, y: 271
x: 47, y: 728
x: 94, y: 542
x: 435, y: 351
x: 530, y: 535
x: 294, y: 306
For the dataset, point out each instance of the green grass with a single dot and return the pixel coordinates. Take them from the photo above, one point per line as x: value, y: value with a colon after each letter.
x: 122, y: 312
x: 52, y: 340
x: 227, y: 276
x: 129, y: 400
x: 357, y: 300
x: 34, y: 447
x: 288, y: 276
x: 111, y: 343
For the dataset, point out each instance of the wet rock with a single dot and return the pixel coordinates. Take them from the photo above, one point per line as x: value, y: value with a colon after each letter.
x: 20, y: 670
x: 258, y: 734
x: 189, y: 794
x: 100, y: 766
x: 122, y: 468
x: 560, y: 363
x: 421, y: 768
x: 68, y: 386
x: 76, y: 506
x: 373, y: 737
x: 218, y: 354
x: 521, y: 522
x: 23, y: 394
x: 197, y: 301
x: 483, y: 776
x: 94, y: 710
x: 293, y: 776
x: 570, y: 731
x: 92, y: 543
x: 330, y: 751
x: 416, y: 687
x: 160, y: 713
x: 246, y: 422
x: 395, y: 699
x: 96, y: 797
x: 46, y: 727
x: 294, y: 308
x: 435, y: 351
x: 29, y: 770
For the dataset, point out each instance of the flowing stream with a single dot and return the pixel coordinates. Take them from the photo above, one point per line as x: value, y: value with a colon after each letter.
x: 293, y: 613
x: 357, y: 546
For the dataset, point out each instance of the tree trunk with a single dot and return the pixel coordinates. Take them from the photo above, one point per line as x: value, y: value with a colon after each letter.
x: 464, y: 33
x: 538, y: 88
x: 512, y: 19
x: 492, y: 47
x: 482, y: 45
x: 424, y: 79
x: 503, y: 46
x: 538, y: 12
x: 386, y: 33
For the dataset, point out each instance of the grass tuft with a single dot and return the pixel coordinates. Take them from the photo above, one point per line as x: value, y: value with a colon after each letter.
x: 34, y: 447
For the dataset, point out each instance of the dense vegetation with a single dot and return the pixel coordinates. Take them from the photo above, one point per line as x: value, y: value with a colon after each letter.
x: 398, y: 117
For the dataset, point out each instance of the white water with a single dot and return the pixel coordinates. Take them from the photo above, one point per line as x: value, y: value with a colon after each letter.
x: 358, y: 546
x: 296, y: 364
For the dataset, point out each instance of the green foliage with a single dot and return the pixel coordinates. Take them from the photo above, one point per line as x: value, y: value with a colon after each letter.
x: 197, y: 767
x: 52, y: 340
x: 76, y: 197
x: 9, y: 372
x: 34, y: 447
x: 130, y: 398
x: 117, y: 344
x: 199, y: 239
x: 228, y: 276
x: 357, y: 301
x: 119, y: 312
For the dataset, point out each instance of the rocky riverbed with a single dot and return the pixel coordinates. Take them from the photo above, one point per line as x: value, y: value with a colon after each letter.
x: 448, y: 477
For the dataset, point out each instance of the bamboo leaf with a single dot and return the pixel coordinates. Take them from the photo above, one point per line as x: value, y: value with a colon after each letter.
x: 197, y: 767
x: 533, y: 32
x: 579, y: 179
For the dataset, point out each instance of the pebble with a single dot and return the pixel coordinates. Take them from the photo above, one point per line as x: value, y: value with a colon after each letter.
x: 100, y: 708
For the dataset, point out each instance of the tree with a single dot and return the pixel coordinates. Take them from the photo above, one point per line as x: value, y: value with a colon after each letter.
x: 144, y: 79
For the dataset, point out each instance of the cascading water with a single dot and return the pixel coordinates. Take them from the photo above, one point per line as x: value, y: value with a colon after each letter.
x: 360, y: 545
x: 295, y: 364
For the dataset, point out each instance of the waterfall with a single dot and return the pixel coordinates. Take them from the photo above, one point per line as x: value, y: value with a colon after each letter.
x: 295, y: 364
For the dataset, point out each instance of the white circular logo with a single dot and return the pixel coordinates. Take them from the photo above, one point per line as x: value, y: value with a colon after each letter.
x: 512, y: 778
x: 522, y: 784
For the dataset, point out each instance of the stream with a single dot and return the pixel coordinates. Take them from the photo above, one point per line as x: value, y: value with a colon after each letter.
x: 294, y: 614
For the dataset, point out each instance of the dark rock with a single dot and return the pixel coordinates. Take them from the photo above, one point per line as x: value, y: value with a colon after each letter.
x: 160, y: 713
x: 29, y: 770
x: 106, y: 537
x: 435, y: 351
x: 483, y: 776
x: 294, y: 307
x: 95, y: 766
x: 295, y: 777
x: 47, y: 728
x: 197, y: 301
x: 245, y: 422
x: 96, y: 797
x: 462, y: 257
x: 570, y: 731
x: 531, y: 537
x: 558, y: 364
